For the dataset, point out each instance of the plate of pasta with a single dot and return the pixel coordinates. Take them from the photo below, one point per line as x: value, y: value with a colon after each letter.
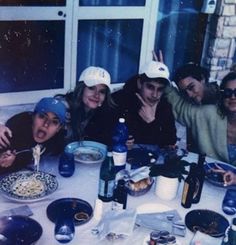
x: 28, y: 185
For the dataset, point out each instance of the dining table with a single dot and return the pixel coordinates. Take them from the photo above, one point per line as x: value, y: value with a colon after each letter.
x: 83, y: 184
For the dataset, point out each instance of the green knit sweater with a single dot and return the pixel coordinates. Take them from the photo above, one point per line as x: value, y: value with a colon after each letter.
x: 208, y: 128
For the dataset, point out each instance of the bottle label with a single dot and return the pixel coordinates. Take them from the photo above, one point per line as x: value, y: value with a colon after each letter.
x: 185, y: 192
x: 106, y: 188
x: 119, y: 158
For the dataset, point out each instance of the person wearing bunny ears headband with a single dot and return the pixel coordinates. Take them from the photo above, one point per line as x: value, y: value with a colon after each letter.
x: 91, y: 107
x: 148, y: 115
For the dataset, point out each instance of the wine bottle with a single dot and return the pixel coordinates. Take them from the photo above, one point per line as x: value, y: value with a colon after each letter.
x: 107, y: 179
x: 189, y: 188
x: 200, y: 177
x: 120, y: 196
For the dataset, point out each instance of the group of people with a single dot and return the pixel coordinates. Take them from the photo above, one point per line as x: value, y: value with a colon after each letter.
x: 149, y: 104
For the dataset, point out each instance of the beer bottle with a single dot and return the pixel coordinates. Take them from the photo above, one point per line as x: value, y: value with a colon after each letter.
x: 120, y: 196
x: 107, y: 179
x: 189, y: 188
x: 200, y: 177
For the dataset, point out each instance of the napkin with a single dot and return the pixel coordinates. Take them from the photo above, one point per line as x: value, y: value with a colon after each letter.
x: 205, y: 239
x: 21, y: 210
x: 169, y: 221
x: 116, y: 224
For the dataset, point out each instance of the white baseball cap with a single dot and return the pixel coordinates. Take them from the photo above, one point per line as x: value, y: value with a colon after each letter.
x: 155, y: 69
x: 94, y: 75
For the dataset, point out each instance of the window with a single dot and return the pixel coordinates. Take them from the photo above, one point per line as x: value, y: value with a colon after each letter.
x: 46, y: 44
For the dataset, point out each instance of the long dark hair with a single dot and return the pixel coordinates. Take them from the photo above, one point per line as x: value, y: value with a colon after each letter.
x: 229, y: 77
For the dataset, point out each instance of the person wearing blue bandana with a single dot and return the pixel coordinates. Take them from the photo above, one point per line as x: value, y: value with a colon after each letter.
x: 44, y: 126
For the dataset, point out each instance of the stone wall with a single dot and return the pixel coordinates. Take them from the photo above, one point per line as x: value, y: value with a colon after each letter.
x: 220, y: 41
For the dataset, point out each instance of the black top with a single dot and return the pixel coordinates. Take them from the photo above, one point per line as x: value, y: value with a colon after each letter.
x: 22, y: 138
x: 161, y: 131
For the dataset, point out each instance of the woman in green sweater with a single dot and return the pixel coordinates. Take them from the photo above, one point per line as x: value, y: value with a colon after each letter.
x: 213, y: 126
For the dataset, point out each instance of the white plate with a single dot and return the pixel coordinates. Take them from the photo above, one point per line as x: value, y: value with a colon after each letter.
x: 28, y: 186
x: 148, y: 208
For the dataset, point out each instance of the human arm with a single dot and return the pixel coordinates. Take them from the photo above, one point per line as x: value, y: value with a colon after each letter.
x: 5, y: 133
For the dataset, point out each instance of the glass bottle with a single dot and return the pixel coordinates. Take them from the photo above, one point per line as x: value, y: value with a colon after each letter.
x: 107, y: 179
x: 189, y: 188
x: 120, y: 195
x: 200, y: 177
x: 230, y: 234
x: 119, y: 148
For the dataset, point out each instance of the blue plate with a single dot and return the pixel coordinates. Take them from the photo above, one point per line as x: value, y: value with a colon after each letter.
x: 206, y: 221
x: 28, y: 186
x: 78, y: 209
x: 87, y: 152
x: 20, y: 230
x: 217, y: 178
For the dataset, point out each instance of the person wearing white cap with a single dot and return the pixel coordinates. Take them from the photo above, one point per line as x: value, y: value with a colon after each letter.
x: 43, y: 127
x: 91, y: 107
x: 148, y: 114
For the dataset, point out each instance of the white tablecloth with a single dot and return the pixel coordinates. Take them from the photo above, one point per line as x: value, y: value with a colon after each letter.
x: 84, y: 185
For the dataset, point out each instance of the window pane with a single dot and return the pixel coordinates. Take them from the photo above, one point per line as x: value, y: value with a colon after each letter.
x: 32, y: 55
x: 112, y: 2
x: 32, y: 2
x: 112, y: 44
x: 179, y: 45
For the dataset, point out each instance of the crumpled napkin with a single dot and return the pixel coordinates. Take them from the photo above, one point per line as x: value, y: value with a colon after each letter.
x: 134, y: 174
x: 205, y: 239
x: 169, y: 221
x: 116, y: 224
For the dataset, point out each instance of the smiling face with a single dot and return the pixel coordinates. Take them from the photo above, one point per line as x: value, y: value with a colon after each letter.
x: 230, y: 102
x: 45, y: 126
x: 193, y: 88
x: 93, y: 97
x: 151, y: 92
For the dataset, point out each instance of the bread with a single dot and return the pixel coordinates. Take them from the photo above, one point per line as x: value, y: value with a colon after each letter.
x: 140, y: 185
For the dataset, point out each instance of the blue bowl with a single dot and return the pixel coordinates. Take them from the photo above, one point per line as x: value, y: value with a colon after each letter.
x: 90, y: 151
x: 20, y: 230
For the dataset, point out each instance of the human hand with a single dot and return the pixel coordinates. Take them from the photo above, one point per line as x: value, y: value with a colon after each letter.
x: 5, y: 132
x: 146, y: 112
x: 7, y: 158
x: 229, y: 178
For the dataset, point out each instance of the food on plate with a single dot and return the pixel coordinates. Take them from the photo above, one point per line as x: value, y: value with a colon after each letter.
x: 81, y: 216
x: 37, y: 152
x: 28, y: 187
x: 140, y: 185
x: 87, y: 155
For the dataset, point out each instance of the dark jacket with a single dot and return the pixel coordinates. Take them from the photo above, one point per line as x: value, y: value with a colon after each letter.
x: 22, y: 138
x: 161, y: 131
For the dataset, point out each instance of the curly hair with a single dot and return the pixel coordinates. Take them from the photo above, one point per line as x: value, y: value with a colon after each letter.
x: 229, y: 77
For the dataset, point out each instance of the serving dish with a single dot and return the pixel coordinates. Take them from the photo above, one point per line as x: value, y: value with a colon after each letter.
x: 87, y: 152
x: 28, y: 186
x: 20, y: 230
x: 206, y: 221
x: 77, y: 209
x: 140, y: 188
x: 216, y: 178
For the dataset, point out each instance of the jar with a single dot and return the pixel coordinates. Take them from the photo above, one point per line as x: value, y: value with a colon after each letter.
x: 154, y: 236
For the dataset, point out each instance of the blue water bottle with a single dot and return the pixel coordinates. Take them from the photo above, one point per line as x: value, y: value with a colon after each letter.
x: 119, y: 148
x: 229, y: 202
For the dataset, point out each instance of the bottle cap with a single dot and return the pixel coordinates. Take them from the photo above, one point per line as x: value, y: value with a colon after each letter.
x: 121, y: 120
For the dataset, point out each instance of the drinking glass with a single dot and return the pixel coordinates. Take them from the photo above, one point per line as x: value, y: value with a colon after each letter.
x: 64, y: 229
x: 66, y: 164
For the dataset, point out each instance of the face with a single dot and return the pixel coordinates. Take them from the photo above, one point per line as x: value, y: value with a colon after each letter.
x: 193, y: 88
x: 230, y: 101
x: 151, y: 92
x: 93, y: 97
x: 45, y: 126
